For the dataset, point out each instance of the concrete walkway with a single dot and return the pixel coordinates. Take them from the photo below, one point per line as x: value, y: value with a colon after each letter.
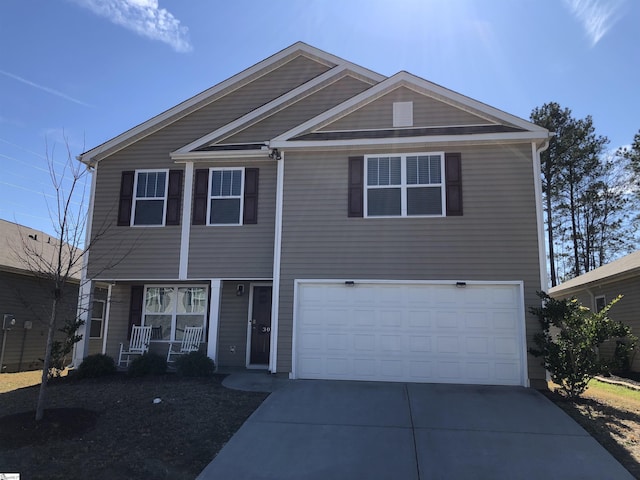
x: 350, y: 430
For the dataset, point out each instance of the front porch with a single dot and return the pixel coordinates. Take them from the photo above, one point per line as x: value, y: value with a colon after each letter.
x: 235, y: 316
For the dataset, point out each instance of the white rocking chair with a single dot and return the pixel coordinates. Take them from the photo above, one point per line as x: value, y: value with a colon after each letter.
x: 139, y: 344
x: 190, y: 342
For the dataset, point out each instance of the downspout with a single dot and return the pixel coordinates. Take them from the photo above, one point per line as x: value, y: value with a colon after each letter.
x: 81, y: 348
x: 542, y: 251
x: 277, y: 251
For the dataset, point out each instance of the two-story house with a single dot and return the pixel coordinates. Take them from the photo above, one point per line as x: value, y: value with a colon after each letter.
x: 323, y: 221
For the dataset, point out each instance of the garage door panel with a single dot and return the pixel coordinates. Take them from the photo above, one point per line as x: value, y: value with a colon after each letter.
x: 408, y: 332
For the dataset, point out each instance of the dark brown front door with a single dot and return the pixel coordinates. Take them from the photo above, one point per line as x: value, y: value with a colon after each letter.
x: 260, y: 326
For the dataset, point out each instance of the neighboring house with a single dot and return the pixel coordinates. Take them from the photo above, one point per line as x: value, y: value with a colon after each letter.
x: 323, y: 221
x: 27, y: 298
x: 597, y: 288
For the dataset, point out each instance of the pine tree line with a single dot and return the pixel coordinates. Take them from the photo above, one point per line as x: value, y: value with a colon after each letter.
x: 591, y: 195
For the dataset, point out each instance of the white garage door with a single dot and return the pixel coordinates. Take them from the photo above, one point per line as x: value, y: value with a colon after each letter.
x: 441, y: 333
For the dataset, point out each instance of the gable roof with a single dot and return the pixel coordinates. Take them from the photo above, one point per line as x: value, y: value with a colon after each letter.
x: 517, y: 128
x: 15, y: 238
x: 205, y: 97
x: 272, y: 107
x: 622, y: 268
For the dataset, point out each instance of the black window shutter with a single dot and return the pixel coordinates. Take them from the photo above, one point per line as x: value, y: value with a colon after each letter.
x: 356, y: 186
x: 250, y: 214
x: 126, y: 198
x: 174, y: 197
x: 453, y: 178
x: 135, y: 307
x: 200, y: 194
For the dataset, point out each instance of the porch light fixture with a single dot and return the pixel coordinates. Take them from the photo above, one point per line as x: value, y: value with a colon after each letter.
x: 275, y: 154
x: 239, y: 290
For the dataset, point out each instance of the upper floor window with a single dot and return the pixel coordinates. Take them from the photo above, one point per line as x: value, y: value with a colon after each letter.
x: 226, y: 196
x: 404, y: 185
x: 149, y: 202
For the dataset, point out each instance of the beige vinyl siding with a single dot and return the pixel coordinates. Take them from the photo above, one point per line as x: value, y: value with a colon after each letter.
x: 244, y: 251
x: 495, y: 240
x: 232, y: 332
x: 118, y: 319
x: 28, y: 299
x: 237, y: 100
x: 153, y: 252
x: 626, y: 310
x: 301, y: 111
x: 427, y: 112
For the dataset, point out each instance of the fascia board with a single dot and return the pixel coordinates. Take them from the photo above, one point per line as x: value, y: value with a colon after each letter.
x: 217, y: 155
x: 179, y: 110
x: 409, y: 80
x: 334, y: 72
x: 512, y: 137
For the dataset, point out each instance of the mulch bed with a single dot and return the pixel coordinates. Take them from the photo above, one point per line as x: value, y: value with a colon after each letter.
x: 111, y: 428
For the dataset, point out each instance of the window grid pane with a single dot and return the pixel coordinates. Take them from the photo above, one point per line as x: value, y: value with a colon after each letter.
x: 386, y: 174
x: 170, y: 309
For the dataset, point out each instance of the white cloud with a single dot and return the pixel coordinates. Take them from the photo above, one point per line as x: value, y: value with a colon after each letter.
x: 144, y: 17
x: 596, y: 16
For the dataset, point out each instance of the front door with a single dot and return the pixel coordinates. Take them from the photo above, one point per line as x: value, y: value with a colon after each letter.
x: 260, y: 325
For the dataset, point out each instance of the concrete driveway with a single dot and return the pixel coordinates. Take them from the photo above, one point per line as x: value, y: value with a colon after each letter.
x: 311, y: 429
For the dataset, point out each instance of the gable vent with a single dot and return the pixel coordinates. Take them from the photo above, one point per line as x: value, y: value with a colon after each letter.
x: 403, y: 114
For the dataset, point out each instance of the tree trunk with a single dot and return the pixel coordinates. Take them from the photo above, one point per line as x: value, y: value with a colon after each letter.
x: 47, y: 360
x: 552, y: 260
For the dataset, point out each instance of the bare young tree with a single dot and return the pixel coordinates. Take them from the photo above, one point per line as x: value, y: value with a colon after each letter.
x: 60, y: 262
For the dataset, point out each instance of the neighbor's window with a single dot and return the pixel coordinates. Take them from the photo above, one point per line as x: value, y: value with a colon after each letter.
x: 169, y: 309
x: 405, y: 185
x: 601, y: 302
x: 97, y: 318
x: 150, y: 194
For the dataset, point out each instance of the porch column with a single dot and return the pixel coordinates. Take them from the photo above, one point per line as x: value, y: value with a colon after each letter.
x: 105, y: 320
x: 81, y: 349
x: 214, y: 319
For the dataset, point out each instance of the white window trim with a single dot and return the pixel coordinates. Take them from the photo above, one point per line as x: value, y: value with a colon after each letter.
x: 135, y: 197
x: 96, y: 319
x: 210, y: 197
x: 404, y: 186
x: 175, y: 313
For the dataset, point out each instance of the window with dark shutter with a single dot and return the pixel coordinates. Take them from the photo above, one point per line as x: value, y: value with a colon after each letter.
x: 250, y: 214
x: 126, y: 198
x: 453, y: 176
x: 174, y: 197
x: 356, y: 186
x: 200, y: 197
x: 135, y: 307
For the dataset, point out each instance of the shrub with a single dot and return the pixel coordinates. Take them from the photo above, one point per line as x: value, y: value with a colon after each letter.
x: 94, y: 366
x: 60, y: 350
x: 568, y: 343
x: 195, y: 364
x: 148, y: 364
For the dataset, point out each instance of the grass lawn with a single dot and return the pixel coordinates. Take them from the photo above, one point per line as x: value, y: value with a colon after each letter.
x: 111, y: 428
x: 611, y: 414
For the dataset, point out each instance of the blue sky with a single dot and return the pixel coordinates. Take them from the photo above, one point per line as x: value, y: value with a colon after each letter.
x: 87, y: 70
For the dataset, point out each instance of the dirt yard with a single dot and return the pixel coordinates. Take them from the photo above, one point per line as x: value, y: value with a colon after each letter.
x: 111, y: 428
x: 611, y: 414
